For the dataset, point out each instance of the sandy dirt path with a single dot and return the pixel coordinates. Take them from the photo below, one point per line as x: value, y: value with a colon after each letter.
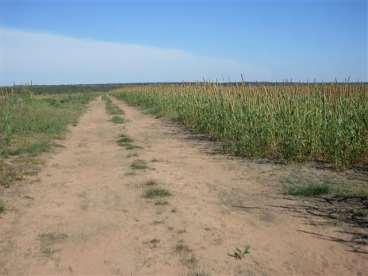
x: 85, y: 213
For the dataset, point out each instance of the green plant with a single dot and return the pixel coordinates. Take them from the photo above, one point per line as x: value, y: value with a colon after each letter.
x: 125, y: 141
x: 2, y: 206
x: 161, y: 203
x: 156, y: 193
x: 311, y: 189
x: 240, y: 253
x: 117, y: 119
x: 150, y: 183
x: 197, y: 273
x: 111, y: 108
x: 139, y: 165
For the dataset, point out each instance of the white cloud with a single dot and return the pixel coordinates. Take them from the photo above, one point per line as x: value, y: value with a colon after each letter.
x: 48, y: 58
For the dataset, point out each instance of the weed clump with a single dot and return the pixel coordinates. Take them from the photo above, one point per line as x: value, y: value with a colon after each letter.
x: 127, y: 143
x: 2, y: 206
x: 156, y: 193
x: 117, y: 119
x: 313, y: 189
x: 139, y: 165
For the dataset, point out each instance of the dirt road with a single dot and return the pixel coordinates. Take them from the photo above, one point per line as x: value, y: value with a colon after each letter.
x: 86, y: 214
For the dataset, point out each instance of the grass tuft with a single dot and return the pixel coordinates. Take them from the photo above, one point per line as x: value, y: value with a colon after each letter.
x: 2, y: 206
x: 161, y: 203
x: 127, y: 143
x: 198, y: 273
x: 139, y: 165
x: 156, y: 193
x: 313, y: 189
x: 111, y: 108
x: 117, y: 119
x: 150, y: 183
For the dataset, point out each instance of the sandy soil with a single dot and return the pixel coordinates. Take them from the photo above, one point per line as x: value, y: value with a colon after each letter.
x: 84, y: 214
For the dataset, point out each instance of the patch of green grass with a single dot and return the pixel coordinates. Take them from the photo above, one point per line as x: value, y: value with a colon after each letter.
x: 48, y: 242
x: 130, y: 173
x: 198, y: 273
x: 127, y: 143
x: 2, y: 206
x: 161, y: 203
x: 312, y: 189
x: 351, y: 190
x: 311, y: 184
x: 191, y: 261
x: 134, y: 154
x: 32, y: 149
x: 150, y: 183
x: 182, y: 248
x: 29, y: 123
x: 240, y: 253
x: 8, y: 173
x: 153, y: 243
x: 132, y: 147
x: 156, y: 193
x: 117, y: 119
x: 111, y: 108
x: 139, y: 165
x: 123, y: 140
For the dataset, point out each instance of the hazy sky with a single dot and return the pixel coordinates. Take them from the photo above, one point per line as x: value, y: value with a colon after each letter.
x: 80, y: 41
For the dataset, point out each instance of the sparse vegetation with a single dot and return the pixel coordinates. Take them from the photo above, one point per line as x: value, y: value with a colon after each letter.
x: 153, y: 243
x: 150, y: 183
x: 139, y: 165
x: 2, y: 206
x: 111, y: 108
x: 117, y: 119
x: 197, y: 273
x: 309, y: 186
x: 313, y: 189
x: 324, y: 122
x: 161, y: 203
x: 182, y: 248
x: 48, y: 242
x: 153, y: 193
x: 127, y: 143
x: 29, y: 123
x: 240, y: 253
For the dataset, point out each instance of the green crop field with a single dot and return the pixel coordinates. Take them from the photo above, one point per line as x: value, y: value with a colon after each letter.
x: 298, y: 122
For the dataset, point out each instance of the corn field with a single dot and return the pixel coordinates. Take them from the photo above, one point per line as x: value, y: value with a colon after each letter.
x: 304, y: 122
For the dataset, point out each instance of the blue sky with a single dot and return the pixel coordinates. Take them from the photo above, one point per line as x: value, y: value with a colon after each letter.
x: 78, y: 41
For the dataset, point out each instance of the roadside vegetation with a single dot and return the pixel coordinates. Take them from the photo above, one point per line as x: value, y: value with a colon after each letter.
x: 29, y: 124
x: 342, y: 186
x: 112, y: 109
x: 290, y: 122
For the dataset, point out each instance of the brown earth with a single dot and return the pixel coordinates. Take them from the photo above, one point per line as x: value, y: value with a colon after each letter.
x: 84, y: 214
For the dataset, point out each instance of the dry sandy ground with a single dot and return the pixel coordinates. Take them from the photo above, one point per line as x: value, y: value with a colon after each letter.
x: 85, y: 213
